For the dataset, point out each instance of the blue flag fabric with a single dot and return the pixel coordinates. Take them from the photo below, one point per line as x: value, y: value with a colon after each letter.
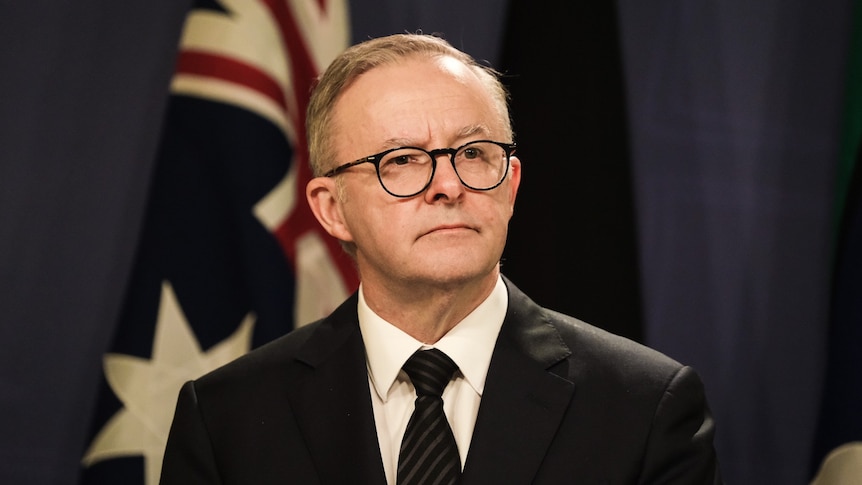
x: 230, y: 256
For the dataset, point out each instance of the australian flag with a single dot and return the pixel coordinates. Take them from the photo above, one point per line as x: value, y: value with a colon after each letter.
x: 230, y: 255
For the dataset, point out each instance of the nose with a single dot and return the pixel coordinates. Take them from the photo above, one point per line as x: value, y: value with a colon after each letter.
x: 445, y: 184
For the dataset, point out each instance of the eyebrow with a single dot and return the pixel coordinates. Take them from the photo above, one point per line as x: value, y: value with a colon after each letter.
x: 473, y: 130
x: 465, y: 132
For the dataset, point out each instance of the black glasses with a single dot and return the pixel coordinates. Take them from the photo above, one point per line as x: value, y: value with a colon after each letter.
x: 407, y: 171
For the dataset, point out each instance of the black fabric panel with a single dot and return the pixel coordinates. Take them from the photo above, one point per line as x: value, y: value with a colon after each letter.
x: 572, y: 240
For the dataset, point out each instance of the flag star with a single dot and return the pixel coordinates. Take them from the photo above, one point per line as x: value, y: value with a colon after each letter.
x: 148, y: 388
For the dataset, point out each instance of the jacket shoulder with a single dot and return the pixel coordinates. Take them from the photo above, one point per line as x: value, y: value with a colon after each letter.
x: 590, y: 340
x: 274, y: 356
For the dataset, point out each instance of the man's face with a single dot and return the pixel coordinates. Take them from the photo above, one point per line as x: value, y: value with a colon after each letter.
x: 448, y: 233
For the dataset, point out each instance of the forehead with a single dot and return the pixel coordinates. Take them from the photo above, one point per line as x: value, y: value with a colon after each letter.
x: 415, y: 78
x: 415, y: 99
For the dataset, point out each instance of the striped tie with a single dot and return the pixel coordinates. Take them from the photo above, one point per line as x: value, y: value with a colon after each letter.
x: 429, y: 455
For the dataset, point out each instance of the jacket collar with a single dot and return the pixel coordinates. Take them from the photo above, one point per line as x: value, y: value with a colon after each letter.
x: 524, y: 399
x: 332, y: 401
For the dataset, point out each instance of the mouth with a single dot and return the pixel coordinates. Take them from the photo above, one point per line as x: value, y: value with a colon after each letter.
x: 449, y: 229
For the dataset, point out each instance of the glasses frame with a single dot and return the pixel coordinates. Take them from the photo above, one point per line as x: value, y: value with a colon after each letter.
x: 508, y: 149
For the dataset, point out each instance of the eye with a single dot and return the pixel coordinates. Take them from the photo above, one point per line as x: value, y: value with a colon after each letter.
x: 400, y: 160
x: 471, y: 152
x: 404, y: 157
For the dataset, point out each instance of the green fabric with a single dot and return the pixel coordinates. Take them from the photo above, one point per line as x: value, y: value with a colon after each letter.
x: 852, y: 127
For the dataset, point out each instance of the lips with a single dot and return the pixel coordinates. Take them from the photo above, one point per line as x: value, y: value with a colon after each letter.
x: 449, y: 227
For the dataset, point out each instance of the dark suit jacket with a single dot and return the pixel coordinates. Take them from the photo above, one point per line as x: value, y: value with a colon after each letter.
x: 564, y: 402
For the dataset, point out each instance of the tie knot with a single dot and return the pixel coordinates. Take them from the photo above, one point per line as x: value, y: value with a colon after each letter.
x: 430, y: 370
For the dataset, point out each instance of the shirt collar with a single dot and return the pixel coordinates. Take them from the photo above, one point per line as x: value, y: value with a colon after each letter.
x: 469, y: 344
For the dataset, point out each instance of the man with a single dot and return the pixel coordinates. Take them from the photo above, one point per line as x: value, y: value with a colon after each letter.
x: 534, y: 396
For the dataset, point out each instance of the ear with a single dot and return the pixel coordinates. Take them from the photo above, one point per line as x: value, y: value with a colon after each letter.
x: 322, y: 195
x: 514, y: 178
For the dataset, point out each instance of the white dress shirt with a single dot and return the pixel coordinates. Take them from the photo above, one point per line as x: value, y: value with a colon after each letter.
x: 469, y: 344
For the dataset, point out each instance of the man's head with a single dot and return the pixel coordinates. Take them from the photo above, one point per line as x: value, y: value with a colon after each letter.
x: 364, y: 57
x: 412, y: 91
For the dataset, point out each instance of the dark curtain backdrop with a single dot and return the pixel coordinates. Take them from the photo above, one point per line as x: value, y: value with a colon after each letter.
x: 678, y: 169
x: 82, y: 90
x: 735, y: 111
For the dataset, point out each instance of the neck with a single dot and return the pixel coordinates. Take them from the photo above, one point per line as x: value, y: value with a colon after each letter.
x: 427, y: 312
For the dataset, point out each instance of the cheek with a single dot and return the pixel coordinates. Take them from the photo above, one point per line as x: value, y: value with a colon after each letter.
x: 373, y: 226
x: 504, y: 210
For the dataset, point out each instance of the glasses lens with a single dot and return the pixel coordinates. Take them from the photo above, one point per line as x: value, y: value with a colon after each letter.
x: 405, y: 171
x: 481, y: 165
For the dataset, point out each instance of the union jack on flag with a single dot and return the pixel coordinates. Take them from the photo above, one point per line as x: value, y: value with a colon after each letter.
x: 230, y: 255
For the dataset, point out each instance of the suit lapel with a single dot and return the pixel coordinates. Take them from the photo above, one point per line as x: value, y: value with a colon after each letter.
x: 332, y: 401
x: 523, y: 402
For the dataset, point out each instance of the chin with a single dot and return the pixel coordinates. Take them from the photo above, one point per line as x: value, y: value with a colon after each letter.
x: 457, y: 270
